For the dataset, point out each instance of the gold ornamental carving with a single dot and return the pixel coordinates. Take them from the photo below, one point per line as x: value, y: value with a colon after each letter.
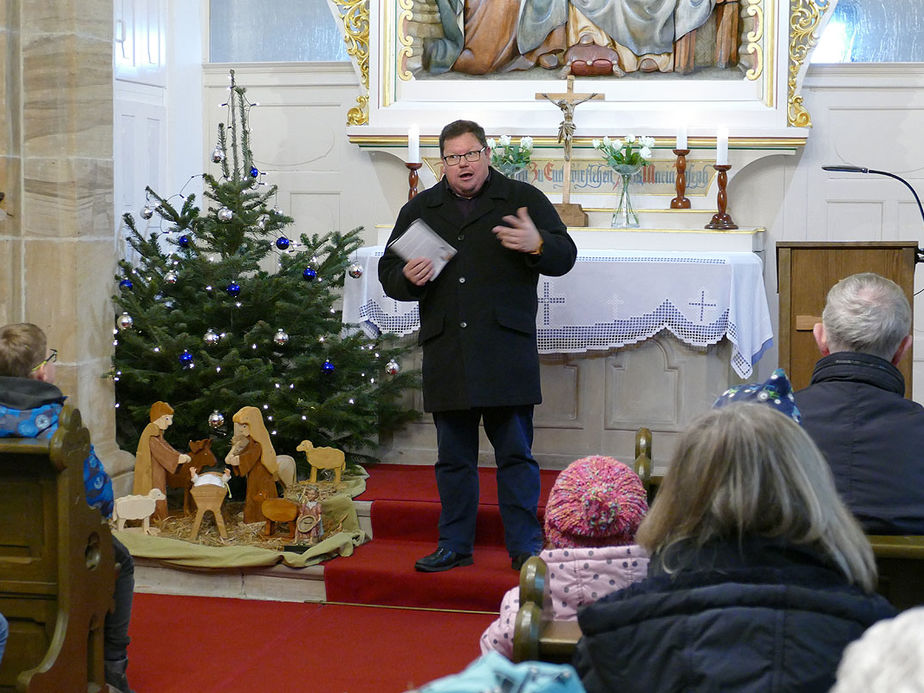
x: 405, y: 53
x: 355, y: 17
x: 804, y: 19
x: 753, y: 38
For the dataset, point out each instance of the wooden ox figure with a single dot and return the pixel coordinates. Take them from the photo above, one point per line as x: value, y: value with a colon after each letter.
x: 323, y: 458
x: 200, y: 452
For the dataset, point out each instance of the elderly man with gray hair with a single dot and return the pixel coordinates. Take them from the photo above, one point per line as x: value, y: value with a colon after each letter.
x: 855, y: 409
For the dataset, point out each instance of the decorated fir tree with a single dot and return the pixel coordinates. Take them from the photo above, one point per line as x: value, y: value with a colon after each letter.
x: 223, y: 310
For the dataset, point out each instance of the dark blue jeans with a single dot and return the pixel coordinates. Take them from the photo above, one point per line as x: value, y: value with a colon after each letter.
x: 115, y: 630
x: 510, y: 430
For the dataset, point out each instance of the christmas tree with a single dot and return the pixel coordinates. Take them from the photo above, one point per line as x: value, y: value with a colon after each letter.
x: 222, y: 310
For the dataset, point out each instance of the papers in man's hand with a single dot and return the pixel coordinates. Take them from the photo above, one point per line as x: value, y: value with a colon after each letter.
x: 421, y: 241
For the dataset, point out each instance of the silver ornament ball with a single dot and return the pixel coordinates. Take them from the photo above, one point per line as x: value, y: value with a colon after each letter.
x: 281, y: 338
x: 211, y: 338
x: 170, y: 277
x: 225, y: 214
x: 355, y: 271
x: 392, y: 367
x: 217, y: 155
x: 146, y: 212
x: 216, y: 419
x: 125, y: 321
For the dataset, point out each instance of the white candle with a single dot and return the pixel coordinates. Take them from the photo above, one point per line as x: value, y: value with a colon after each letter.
x: 721, y: 147
x: 681, y: 137
x: 413, y: 145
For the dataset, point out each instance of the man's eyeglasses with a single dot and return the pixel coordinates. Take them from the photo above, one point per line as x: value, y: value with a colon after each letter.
x: 53, y: 356
x: 454, y: 159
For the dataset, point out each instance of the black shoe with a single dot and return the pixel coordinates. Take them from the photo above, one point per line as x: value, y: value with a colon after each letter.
x: 516, y: 562
x: 442, y: 559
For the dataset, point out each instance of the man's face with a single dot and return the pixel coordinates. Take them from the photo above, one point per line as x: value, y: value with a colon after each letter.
x: 467, y: 177
x: 163, y: 423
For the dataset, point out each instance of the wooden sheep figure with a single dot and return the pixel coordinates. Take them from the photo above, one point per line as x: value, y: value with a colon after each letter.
x: 323, y: 458
x: 137, y: 508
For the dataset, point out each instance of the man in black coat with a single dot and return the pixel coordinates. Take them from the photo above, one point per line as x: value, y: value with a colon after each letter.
x: 478, y: 334
x: 855, y: 409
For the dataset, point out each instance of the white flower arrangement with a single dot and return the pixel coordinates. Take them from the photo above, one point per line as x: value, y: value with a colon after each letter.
x: 630, y: 151
x: 508, y: 158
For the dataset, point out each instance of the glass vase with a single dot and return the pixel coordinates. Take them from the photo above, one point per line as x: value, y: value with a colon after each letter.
x: 510, y: 170
x: 625, y: 216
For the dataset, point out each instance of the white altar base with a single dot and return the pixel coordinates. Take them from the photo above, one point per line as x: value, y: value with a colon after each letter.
x: 595, y: 401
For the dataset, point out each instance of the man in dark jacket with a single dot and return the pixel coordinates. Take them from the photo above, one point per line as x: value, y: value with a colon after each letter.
x: 855, y: 409
x: 478, y: 334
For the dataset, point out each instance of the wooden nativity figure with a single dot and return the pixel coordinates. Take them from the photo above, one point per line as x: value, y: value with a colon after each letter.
x: 155, y: 457
x: 309, y: 526
x: 252, y: 455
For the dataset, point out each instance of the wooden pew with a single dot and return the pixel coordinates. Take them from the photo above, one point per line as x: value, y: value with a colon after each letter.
x: 900, y: 562
x: 57, y: 572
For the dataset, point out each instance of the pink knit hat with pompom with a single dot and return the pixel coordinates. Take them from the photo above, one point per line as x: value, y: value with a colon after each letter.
x: 596, y: 501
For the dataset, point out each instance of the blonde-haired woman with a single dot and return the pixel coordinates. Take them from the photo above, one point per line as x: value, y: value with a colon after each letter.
x: 253, y: 456
x: 759, y: 575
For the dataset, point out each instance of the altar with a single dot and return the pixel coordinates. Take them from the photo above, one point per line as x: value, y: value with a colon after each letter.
x: 628, y: 338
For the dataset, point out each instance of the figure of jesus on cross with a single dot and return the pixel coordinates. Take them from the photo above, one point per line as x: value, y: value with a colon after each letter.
x: 567, y: 102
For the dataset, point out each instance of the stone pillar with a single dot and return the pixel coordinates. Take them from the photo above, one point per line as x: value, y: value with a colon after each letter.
x: 57, y: 170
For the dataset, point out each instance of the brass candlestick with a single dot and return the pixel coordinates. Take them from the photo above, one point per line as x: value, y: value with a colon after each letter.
x: 412, y: 180
x: 681, y: 201
x: 721, y: 220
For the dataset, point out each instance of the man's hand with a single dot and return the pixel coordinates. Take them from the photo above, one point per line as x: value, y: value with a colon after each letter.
x: 184, y: 458
x: 418, y: 271
x: 520, y: 234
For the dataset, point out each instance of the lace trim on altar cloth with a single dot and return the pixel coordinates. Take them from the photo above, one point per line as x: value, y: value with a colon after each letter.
x: 608, y: 335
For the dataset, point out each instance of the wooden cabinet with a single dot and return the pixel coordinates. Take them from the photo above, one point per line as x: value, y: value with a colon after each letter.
x: 805, y: 272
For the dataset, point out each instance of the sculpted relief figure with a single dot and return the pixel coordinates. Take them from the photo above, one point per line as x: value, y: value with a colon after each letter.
x: 585, y: 37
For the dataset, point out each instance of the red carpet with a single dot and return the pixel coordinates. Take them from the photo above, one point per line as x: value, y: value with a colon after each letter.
x: 405, y: 512
x: 183, y: 644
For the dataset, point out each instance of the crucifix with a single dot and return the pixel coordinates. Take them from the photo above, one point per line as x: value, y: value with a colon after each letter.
x: 571, y: 214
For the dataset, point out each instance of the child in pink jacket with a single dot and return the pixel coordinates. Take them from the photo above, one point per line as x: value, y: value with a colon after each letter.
x: 592, y: 513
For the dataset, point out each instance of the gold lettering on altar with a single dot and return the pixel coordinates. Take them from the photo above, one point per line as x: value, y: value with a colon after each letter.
x: 592, y: 177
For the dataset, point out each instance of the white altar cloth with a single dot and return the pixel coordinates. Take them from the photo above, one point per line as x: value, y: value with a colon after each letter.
x: 612, y: 298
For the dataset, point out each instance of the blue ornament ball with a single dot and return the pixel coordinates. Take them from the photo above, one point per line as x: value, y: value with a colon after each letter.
x: 233, y: 289
x: 254, y: 172
x: 282, y: 243
x: 186, y: 359
x: 327, y: 366
x: 126, y: 284
x: 309, y: 273
x: 183, y: 241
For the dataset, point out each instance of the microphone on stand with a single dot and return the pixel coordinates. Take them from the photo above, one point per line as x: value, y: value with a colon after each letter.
x: 862, y: 169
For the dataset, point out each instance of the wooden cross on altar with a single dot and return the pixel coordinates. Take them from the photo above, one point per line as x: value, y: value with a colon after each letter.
x: 567, y: 103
